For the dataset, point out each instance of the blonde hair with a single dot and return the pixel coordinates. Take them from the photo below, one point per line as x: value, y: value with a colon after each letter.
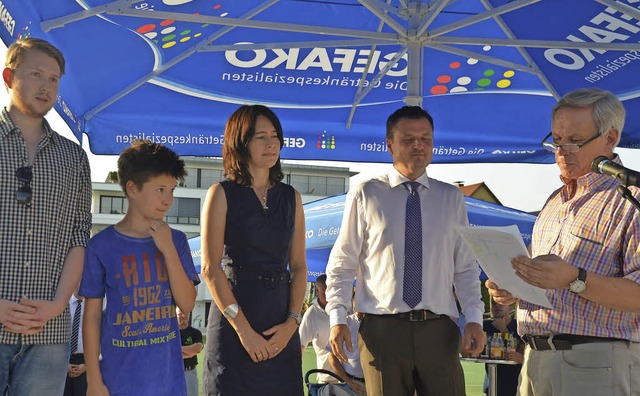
x: 16, y: 52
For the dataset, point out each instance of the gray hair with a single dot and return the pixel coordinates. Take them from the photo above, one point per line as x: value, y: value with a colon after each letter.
x: 607, y: 111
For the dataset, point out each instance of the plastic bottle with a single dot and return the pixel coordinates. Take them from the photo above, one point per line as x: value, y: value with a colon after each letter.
x: 497, y: 347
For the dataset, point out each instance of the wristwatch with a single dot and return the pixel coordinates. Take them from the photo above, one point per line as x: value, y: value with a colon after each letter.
x: 295, y: 317
x: 231, y: 311
x: 578, y: 285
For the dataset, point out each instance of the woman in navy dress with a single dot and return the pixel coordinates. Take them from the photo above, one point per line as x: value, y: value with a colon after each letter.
x: 254, y: 225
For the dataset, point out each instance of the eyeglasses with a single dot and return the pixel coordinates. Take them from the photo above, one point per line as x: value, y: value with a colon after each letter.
x: 567, y: 148
x: 24, y: 175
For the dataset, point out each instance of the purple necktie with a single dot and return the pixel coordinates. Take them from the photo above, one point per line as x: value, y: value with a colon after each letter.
x: 412, y: 280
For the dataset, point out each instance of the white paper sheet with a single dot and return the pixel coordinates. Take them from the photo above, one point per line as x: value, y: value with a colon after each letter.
x: 494, y: 247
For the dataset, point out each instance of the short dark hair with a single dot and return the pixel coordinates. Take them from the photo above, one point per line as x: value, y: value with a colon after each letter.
x: 16, y: 52
x: 413, y: 112
x: 144, y: 160
x: 322, y: 279
x: 238, y: 131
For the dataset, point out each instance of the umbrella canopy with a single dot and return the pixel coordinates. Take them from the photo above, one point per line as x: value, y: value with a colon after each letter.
x: 488, y: 70
x: 324, y: 217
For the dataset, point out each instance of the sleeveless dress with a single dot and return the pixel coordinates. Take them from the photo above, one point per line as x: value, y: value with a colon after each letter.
x: 256, y: 258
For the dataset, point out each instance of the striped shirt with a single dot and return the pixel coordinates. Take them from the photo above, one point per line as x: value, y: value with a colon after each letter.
x: 599, y: 231
x: 35, y: 239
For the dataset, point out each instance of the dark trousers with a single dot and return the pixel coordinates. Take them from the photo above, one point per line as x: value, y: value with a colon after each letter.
x: 76, y: 386
x: 400, y: 357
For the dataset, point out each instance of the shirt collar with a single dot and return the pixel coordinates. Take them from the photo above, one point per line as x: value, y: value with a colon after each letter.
x: 7, y: 126
x: 396, y: 178
x: 592, y: 180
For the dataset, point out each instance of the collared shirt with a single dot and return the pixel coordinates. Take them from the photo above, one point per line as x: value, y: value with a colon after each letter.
x: 597, y: 230
x: 371, y: 246
x: 73, y: 309
x: 314, y: 328
x: 35, y: 239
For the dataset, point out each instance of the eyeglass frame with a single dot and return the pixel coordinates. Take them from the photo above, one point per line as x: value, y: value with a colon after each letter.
x: 553, y: 147
x: 24, y: 194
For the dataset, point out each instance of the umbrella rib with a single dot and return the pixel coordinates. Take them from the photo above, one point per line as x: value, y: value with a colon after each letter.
x: 296, y: 44
x: 365, y: 71
x: 482, y: 57
x: 547, y: 44
x: 480, y: 17
x: 177, y: 59
x: 621, y: 7
x: 507, y: 31
x: 58, y: 22
x: 375, y: 8
x: 431, y: 16
x: 238, y: 22
x: 381, y: 74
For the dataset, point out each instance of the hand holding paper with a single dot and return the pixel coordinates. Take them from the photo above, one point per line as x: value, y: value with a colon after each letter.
x: 494, y: 247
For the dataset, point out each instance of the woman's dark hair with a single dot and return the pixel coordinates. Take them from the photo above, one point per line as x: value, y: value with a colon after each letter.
x: 239, y: 130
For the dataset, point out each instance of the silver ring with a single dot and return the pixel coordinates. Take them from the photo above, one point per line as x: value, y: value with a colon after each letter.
x: 276, y: 348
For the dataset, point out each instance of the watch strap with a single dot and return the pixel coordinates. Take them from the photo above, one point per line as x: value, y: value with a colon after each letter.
x: 295, y: 317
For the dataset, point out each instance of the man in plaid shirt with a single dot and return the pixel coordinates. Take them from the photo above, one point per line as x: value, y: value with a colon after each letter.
x: 585, y: 251
x: 45, y: 220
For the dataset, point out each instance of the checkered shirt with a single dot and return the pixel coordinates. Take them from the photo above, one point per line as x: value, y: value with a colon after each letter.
x: 599, y: 231
x: 35, y: 240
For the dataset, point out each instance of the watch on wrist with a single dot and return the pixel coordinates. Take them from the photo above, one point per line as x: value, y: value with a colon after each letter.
x: 231, y: 311
x: 578, y: 285
x: 295, y: 317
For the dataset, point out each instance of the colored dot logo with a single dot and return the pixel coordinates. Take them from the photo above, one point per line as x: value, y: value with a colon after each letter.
x: 25, y: 32
x: 465, y: 83
x: 167, y: 34
x: 326, y: 141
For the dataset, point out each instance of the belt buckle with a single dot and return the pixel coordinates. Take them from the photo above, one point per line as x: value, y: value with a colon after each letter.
x: 549, y: 340
x: 269, y: 280
x: 417, y: 316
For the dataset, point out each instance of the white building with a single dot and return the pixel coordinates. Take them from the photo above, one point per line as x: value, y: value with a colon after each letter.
x: 109, y: 203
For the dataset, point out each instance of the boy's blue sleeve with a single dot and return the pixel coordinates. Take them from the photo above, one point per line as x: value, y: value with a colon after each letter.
x: 184, y: 252
x: 92, y: 284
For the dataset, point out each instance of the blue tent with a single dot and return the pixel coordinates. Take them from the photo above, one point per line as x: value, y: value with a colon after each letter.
x: 323, y: 220
x: 488, y: 70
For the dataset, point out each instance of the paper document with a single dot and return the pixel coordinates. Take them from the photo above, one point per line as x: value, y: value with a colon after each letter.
x: 494, y: 247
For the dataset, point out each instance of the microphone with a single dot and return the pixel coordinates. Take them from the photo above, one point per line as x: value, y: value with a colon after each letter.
x: 605, y: 166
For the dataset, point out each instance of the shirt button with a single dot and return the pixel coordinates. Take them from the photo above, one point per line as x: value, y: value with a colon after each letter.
x: 29, y: 232
x: 27, y: 263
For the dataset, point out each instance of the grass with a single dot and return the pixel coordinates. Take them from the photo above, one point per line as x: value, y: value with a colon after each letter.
x: 473, y: 372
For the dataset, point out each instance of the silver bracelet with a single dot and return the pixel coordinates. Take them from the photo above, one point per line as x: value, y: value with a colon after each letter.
x: 231, y: 311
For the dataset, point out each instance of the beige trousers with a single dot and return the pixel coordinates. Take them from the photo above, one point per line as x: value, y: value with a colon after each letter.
x: 603, y: 368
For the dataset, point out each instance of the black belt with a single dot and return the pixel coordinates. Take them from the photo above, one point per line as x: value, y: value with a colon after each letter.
x: 189, y: 368
x: 268, y: 278
x: 353, y: 377
x: 561, y: 342
x: 418, y: 315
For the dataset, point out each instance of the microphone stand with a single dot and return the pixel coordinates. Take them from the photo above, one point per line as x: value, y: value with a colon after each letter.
x: 624, y: 191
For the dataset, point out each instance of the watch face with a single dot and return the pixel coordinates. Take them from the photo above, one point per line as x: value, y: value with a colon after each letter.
x: 577, y: 286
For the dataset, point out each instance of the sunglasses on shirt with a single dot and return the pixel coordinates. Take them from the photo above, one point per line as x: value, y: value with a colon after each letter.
x: 24, y: 175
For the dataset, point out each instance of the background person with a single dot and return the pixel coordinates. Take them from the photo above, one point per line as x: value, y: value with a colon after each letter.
x: 191, y: 339
x: 143, y: 268
x: 76, y: 384
x: 501, y: 323
x: 253, y: 223
x: 408, y: 260
x: 585, y: 253
x: 314, y: 329
x: 45, y: 220
x: 351, y: 370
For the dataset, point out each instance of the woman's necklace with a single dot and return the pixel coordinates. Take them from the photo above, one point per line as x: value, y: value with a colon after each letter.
x: 263, y: 196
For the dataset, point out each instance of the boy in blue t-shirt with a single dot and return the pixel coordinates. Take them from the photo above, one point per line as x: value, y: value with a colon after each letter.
x: 144, y: 269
